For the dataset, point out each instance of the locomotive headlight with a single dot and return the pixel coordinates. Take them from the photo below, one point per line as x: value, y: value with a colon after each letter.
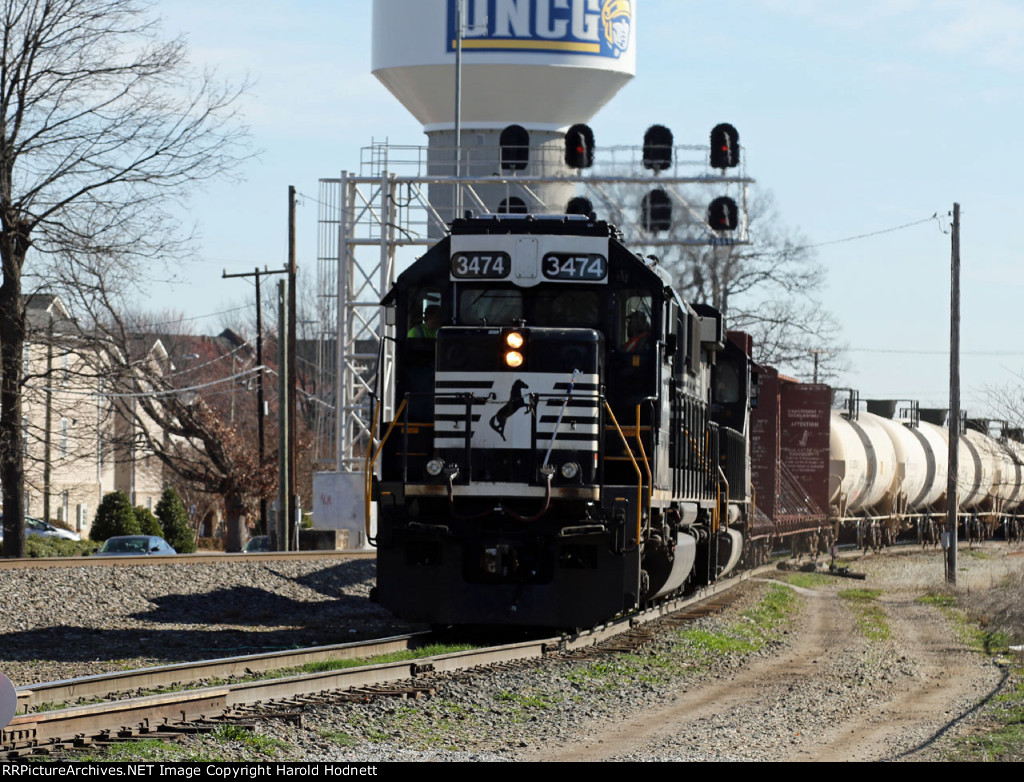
x: 570, y: 470
x: 514, y: 358
x: 514, y: 340
x: 434, y: 467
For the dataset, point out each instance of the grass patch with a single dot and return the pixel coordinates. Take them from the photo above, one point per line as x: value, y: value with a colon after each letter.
x: 609, y: 673
x: 748, y: 633
x: 1000, y: 738
x: 973, y: 553
x: 436, y: 725
x: 871, y: 619
x: 530, y: 701
x: 339, y: 737
x: 938, y: 600
x: 977, y: 635
x: 806, y: 580
x: 439, y: 724
x: 249, y: 739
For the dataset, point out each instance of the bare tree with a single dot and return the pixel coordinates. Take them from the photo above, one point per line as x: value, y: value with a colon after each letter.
x: 103, y: 128
x: 186, y: 400
x: 769, y: 288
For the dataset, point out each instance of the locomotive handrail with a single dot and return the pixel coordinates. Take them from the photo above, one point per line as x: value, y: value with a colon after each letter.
x: 367, y: 472
x: 371, y: 462
x: 647, y: 465
x: 639, y: 475
x: 558, y: 423
x: 718, y: 500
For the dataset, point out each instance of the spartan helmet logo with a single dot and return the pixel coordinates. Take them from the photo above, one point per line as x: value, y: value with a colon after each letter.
x: 617, y: 17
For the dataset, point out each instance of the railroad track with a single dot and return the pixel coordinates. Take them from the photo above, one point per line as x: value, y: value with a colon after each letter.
x: 169, y: 713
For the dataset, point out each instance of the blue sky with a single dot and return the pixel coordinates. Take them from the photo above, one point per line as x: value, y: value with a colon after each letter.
x: 858, y: 116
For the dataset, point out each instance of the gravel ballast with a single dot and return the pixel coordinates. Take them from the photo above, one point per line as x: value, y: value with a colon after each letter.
x: 67, y: 622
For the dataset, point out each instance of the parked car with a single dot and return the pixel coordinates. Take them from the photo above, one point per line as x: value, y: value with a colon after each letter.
x: 257, y: 544
x: 35, y: 526
x: 134, y: 546
x: 43, y: 529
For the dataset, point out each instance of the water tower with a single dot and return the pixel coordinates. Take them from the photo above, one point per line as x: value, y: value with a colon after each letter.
x: 525, y: 72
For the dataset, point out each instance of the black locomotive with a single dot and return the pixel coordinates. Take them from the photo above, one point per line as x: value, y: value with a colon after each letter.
x: 568, y: 439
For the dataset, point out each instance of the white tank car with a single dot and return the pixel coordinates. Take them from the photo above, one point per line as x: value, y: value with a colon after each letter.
x: 930, y: 451
x: 983, y: 454
x: 1007, y: 482
x: 911, y: 461
x: 968, y: 478
x: 862, y: 461
x: 1014, y: 472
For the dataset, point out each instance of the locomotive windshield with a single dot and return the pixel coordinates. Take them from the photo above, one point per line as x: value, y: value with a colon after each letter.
x: 490, y: 306
x: 545, y: 306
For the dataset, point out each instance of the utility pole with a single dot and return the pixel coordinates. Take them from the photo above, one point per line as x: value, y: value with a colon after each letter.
x: 459, y: 21
x: 293, y: 504
x: 48, y: 424
x: 281, y: 525
x: 816, y: 354
x: 261, y: 405
x: 952, y: 496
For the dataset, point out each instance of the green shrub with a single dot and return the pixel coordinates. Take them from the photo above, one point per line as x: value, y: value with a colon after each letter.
x: 148, y: 523
x: 174, y: 519
x: 114, y: 516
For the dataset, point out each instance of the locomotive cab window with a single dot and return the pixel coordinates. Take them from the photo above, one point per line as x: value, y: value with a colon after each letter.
x: 635, y: 334
x: 424, y: 315
x: 561, y: 306
x: 490, y: 306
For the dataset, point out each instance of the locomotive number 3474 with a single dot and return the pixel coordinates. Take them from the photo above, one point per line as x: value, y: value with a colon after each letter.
x: 491, y: 266
x: 565, y: 266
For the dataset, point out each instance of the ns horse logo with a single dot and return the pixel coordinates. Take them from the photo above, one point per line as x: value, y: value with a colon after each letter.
x: 515, y: 403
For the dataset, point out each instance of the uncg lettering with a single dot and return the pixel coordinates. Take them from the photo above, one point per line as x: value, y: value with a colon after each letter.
x: 554, y: 20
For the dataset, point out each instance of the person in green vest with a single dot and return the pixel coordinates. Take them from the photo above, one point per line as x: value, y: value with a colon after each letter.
x: 431, y: 323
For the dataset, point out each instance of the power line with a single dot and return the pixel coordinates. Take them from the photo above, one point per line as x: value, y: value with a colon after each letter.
x: 152, y: 394
x: 945, y: 352
x: 872, y: 233
x: 150, y: 326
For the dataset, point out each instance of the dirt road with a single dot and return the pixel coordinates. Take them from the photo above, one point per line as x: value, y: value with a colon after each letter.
x: 834, y: 693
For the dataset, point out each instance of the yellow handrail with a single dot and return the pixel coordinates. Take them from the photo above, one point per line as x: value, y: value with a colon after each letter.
x: 718, y: 504
x: 639, y: 475
x: 647, y: 464
x: 371, y: 462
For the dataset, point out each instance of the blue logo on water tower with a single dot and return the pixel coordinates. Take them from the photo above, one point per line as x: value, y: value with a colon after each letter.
x: 603, y: 28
